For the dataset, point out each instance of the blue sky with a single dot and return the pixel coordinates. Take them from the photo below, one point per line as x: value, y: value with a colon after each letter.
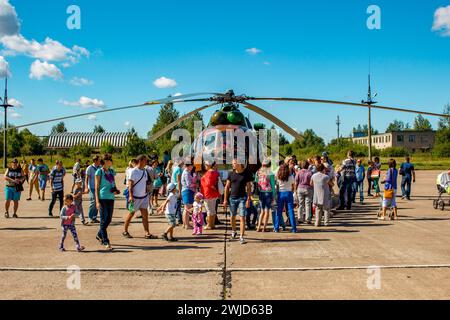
x: 308, y: 49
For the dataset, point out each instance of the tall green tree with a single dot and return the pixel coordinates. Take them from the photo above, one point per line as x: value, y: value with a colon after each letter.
x: 98, y: 129
x: 397, y: 125
x: 167, y: 115
x: 444, y: 123
x: 59, y: 128
x: 422, y: 124
x: 364, y: 129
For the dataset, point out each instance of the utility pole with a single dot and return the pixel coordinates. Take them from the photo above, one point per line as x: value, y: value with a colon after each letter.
x: 5, y: 106
x: 369, y: 103
x: 338, y: 123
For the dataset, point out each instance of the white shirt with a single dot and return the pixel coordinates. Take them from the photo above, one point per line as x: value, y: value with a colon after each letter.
x: 128, y: 173
x: 171, y: 207
x: 284, y: 186
x: 140, y: 185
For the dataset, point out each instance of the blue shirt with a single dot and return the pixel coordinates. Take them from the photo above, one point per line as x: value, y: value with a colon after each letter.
x: 407, y: 169
x: 391, y: 179
x: 359, y: 171
x: 56, y: 178
x: 90, y: 172
x: 176, y: 172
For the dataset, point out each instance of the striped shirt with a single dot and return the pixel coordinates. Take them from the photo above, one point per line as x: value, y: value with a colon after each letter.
x: 56, y: 178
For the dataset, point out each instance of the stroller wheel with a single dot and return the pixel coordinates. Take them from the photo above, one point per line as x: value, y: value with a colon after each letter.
x: 441, y: 205
x: 435, y: 204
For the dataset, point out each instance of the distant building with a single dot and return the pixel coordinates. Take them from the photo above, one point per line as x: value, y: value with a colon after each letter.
x: 411, y: 140
x: 67, y: 140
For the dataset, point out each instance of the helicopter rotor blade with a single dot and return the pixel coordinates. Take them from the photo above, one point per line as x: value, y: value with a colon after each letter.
x: 354, y: 105
x: 181, y: 98
x: 273, y: 119
x: 178, y: 121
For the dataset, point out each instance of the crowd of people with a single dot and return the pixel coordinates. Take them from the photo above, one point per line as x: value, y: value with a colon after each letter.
x: 292, y: 192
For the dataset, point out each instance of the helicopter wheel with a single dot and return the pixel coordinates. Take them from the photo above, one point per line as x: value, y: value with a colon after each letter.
x: 435, y: 204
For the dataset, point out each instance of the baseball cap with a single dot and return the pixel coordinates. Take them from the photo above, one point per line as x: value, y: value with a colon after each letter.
x: 171, y: 187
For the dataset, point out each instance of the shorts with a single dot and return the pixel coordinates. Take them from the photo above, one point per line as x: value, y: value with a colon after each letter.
x: 155, y: 192
x: 265, y: 200
x: 140, y: 203
x: 11, y: 194
x: 237, y: 206
x: 390, y: 203
x: 187, y: 197
x: 210, y: 205
x: 42, y: 184
x: 171, y: 219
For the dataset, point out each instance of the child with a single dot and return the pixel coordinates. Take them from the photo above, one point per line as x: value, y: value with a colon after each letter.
x: 197, y: 216
x: 68, y: 214
x: 375, y: 175
x: 170, y: 208
x: 78, y: 198
x: 252, y: 212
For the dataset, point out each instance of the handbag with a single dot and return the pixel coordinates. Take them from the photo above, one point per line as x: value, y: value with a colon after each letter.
x: 19, y: 187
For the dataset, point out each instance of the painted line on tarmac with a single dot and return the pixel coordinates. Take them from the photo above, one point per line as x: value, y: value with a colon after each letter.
x: 407, y: 266
x: 204, y: 270
x: 155, y: 270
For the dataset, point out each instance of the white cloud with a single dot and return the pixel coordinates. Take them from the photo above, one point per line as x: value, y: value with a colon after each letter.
x: 442, y: 21
x: 92, y: 117
x: 14, y: 102
x: 4, y: 68
x: 164, y: 82
x: 84, y: 102
x: 41, y: 69
x: 15, y: 115
x: 9, y: 23
x: 253, y: 51
x: 79, y: 82
x: 267, y: 63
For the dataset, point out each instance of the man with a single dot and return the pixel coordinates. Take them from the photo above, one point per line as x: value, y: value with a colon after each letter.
x: 359, y: 183
x: 57, y: 186
x: 43, y: 171
x: 349, y: 177
x: 408, y: 174
x: 76, y: 172
x: 176, y: 179
x: 138, y: 196
x: 239, y: 191
x: 90, y: 188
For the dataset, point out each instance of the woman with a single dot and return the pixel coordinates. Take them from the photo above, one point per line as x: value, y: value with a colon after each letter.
x: 188, y: 189
x: 14, y: 178
x: 25, y: 170
x: 305, y: 193
x: 157, y: 183
x: 210, y: 189
x: 168, y: 172
x: 390, y: 190
x: 32, y: 178
x: 285, y: 183
x: 265, y: 180
x: 105, y: 192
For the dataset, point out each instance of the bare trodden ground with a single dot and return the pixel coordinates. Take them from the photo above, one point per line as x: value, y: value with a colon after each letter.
x: 356, y: 257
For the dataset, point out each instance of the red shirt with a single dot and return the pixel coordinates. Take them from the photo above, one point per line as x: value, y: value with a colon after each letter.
x: 209, y: 183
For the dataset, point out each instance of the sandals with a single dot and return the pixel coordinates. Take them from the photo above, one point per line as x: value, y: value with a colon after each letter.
x: 15, y: 216
x: 6, y: 215
x: 150, y: 236
x: 125, y: 234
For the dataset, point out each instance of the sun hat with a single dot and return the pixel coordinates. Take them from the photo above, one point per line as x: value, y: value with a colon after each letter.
x: 171, y: 187
x: 199, y: 195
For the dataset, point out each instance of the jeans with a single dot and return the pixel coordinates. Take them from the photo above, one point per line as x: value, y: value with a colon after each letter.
x: 305, y: 197
x: 406, y: 186
x: 178, y: 211
x: 285, y: 198
x: 237, y: 207
x: 60, y: 196
x: 251, y: 211
x: 345, y: 193
x: 358, y: 186
x: 106, y: 214
x: 92, y: 212
x: 369, y: 185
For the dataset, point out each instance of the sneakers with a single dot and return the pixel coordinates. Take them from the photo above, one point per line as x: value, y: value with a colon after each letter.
x: 233, y: 235
x: 165, y: 237
x: 80, y: 248
x: 242, y: 240
x: 62, y: 249
x: 50, y: 214
x: 108, y: 247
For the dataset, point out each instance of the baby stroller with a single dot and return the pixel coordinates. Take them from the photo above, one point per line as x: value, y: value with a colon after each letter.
x: 443, y: 187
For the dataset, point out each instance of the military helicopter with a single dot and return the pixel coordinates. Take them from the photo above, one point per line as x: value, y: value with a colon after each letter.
x: 230, y: 118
